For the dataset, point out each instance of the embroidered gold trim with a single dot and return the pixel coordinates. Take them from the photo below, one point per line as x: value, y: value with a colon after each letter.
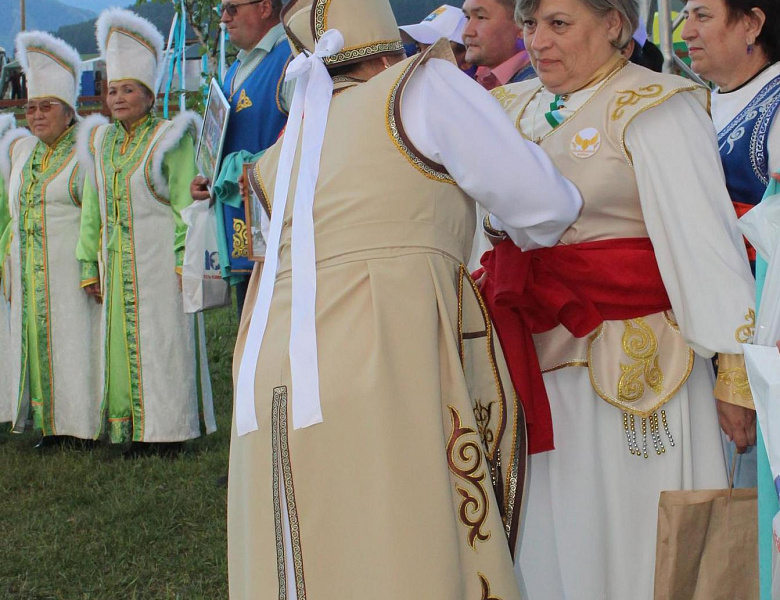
x: 487, y: 226
x: 53, y: 57
x: 504, y: 96
x: 737, y: 380
x: 486, y: 595
x: 745, y: 332
x: 464, y: 274
x: 392, y: 130
x: 632, y: 97
x: 280, y: 417
x: 243, y: 101
x: 73, y: 185
x: 512, y: 481
x: 353, y: 52
x: 289, y: 490
x: 266, y: 199
x: 608, y: 398
x: 568, y: 363
x: 240, y: 239
x: 131, y: 34
x: 280, y: 561
x: 603, y: 85
x: 640, y: 345
x: 279, y: 87
x: 483, y: 414
x: 626, y: 153
x: 464, y: 458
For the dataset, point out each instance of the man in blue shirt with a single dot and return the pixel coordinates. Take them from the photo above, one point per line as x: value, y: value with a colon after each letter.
x: 259, y: 100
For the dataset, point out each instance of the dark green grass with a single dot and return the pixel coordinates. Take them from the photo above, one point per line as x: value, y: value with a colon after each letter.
x: 90, y: 524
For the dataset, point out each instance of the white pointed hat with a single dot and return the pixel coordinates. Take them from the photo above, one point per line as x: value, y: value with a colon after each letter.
x: 52, y: 67
x: 131, y: 46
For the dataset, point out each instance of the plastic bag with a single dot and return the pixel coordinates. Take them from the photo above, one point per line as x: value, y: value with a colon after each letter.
x: 202, y: 285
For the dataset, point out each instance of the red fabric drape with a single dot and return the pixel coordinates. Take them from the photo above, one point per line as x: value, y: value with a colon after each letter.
x: 578, y: 286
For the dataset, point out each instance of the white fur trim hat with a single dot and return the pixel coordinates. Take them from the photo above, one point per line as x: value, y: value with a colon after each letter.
x: 131, y: 46
x: 52, y: 67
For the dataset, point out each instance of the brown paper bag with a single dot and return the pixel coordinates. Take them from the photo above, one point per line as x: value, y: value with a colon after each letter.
x: 707, y: 546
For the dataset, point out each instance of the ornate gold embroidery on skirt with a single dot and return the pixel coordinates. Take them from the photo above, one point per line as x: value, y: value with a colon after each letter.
x: 640, y: 345
x: 486, y: 588
x: 745, y: 332
x: 281, y: 456
x: 465, y: 458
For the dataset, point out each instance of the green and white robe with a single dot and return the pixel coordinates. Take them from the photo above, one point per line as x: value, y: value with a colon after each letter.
x: 54, y: 327
x: 155, y: 383
x: 7, y: 404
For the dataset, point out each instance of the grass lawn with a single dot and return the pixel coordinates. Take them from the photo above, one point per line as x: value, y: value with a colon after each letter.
x: 90, y: 524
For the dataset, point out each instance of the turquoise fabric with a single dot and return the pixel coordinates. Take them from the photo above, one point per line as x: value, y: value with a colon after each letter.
x: 225, y: 192
x: 768, y: 504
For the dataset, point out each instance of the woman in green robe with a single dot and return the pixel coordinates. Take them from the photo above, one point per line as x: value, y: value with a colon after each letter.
x: 54, y: 330
x: 155, y: 381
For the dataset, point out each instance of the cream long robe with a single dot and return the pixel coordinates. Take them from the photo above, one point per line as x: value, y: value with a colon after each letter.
x: 388, y: 498
x: 45, y: 231
x: 130, y: 228
x: 590, y: 522
x: 7, y: 399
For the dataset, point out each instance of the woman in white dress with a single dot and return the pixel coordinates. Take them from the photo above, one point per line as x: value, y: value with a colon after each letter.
x: 156, y: 386
x: 54, y: 359
x: 644, y: 288
x: 735, y: 44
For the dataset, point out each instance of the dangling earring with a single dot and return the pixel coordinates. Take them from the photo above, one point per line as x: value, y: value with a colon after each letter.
x: 750, y: 48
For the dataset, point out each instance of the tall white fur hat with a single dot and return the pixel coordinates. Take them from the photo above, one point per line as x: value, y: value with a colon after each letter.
x: 131, y: 46
x: 52, y: 67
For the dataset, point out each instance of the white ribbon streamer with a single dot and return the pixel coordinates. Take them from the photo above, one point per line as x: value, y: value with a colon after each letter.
x: 313, y: 92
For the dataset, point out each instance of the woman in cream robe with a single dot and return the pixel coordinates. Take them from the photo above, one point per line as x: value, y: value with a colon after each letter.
x: 631, y: 396
x: 390, y: 495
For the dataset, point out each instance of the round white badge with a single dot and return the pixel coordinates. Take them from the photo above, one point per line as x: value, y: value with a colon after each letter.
x: 586, y: 142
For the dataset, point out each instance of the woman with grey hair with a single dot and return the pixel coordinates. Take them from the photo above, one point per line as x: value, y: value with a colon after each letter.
x: 608, y: 335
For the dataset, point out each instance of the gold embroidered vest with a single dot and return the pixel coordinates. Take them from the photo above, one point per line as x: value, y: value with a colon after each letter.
x: 639, y: 364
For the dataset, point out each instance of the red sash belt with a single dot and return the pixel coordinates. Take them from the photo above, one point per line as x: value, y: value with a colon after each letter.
x: 741, y: 209
x: 579, y: 286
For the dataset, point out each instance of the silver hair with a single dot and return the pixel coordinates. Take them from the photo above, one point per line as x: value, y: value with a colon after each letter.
x: 628, y: 10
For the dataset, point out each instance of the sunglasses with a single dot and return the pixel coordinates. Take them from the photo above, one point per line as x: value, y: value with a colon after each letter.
x: 44, y: 106
x: 232, y: 9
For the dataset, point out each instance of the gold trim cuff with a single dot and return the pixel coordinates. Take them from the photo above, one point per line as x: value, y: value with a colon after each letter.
x: 732, y: 385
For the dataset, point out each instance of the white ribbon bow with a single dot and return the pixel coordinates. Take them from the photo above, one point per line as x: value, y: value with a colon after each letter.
x: 313, y: 92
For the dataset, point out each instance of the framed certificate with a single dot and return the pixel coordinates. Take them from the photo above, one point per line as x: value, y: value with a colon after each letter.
x: 208, y: 154
x: 256, y: 219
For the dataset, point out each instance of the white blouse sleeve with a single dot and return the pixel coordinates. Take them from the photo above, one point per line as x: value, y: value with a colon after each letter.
x: 692, y: 223
x: 773, y: 144
x: 454, y: 122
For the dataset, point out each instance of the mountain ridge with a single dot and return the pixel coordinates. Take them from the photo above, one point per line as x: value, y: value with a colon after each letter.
x: 45, y: 15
